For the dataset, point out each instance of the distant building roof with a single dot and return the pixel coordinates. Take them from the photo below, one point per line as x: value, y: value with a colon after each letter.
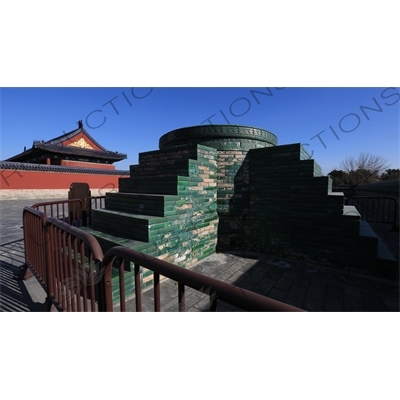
x: 16, y: 166
x: 76, y: 143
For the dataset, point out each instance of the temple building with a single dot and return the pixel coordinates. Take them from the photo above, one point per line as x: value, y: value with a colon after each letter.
x: 49, y: 168
x: 74, y: 149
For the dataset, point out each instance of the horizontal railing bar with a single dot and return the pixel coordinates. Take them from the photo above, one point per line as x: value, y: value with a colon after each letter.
x: 52, y: 262
x: 34, y: 211
x: 57, y: 202
x: 216, y: 289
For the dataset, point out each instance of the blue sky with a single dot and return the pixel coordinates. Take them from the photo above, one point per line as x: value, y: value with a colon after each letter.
x: 332, y: 123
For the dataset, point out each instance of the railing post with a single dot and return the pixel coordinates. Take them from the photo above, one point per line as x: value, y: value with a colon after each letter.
x: 105, y: 288
x: 213, y: 301
x: 395, y: 227
x: 101, y: 301
x: 181, y: 296
x: 157, y: 305
x: 49, y: 264
x: 25, y: 272
x: 138, y: 291
x: 84, y: 218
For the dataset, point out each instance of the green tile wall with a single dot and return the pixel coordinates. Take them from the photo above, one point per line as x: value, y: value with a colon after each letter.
x: 294, y: 214
x: 165, y: 212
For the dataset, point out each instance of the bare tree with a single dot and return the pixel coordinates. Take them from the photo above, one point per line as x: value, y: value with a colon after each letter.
x: 366, y: 168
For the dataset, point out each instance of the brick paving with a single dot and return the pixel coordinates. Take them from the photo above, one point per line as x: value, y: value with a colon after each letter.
x: 310, y: 287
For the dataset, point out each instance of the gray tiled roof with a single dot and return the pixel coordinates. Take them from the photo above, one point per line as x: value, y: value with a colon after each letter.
x: 55, y: 146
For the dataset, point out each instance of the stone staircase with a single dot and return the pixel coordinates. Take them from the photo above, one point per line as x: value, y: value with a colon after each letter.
x: 295, y: 214
x: 166, y: 209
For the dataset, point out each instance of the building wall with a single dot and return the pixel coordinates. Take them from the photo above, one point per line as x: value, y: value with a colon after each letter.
x: 82, y: 164
x: 18, y: 184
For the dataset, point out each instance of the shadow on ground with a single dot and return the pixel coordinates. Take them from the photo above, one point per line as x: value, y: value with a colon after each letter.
x: 308, y: 287
x: 16, y: 295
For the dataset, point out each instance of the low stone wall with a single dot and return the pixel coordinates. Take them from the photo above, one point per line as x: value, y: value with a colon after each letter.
x: 22, y: 194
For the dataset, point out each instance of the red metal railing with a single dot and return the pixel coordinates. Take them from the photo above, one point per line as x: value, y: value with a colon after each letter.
x: 70, y: 211
x: 65, y: 260
x: 74, y: 258
x: 69, y: 264
x: 217, y: 290
x: 75, y: 211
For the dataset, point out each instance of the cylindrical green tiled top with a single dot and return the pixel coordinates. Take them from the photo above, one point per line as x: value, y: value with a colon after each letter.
x: 221, y: 137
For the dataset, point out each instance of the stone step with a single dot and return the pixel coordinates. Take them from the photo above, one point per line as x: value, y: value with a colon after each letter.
x: 108, y: 240
x: 151, y: 169
x: 147, y: 185
x: 367, y: 242
x: 350, y: 212
x: 127, y: 225
x: 383, y: 252
x: 152, y: 228
x: 141, y: 203
x: 167, y: 157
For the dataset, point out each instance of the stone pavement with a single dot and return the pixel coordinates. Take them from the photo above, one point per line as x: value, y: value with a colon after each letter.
x: 389, y: 237
x: 310, y: 287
